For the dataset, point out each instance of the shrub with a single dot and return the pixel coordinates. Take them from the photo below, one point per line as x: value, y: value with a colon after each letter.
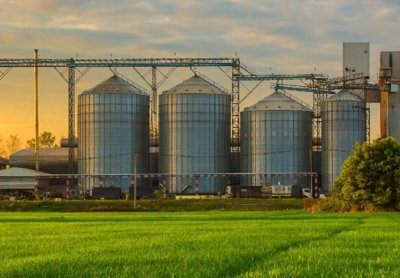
x: 369, y: 180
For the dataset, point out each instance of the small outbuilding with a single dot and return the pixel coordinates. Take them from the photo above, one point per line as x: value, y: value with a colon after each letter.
x: 21, y: 182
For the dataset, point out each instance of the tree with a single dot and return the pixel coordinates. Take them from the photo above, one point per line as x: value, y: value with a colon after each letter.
x: 3, y: 151
x: 370, y: 177
x: 13, y: 143
x: 46, y: 139
x: 30, y: 143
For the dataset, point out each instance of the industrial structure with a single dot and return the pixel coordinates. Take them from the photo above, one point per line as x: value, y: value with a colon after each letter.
x: 22, y: 183
x: 113, y: 133
x: 195, y: 136
x: 393, y: 111
x: 276, y: 137
x: 389, y: 80
x: 356, y: 59
x: 193, y: 139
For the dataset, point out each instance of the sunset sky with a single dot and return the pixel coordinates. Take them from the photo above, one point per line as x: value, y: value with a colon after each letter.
x: 269, y: 36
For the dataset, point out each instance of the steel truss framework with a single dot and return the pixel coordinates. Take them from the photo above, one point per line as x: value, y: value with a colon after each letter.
x: 239, y: 73
x: 72, y: 71
x: 321, y: 89
x: 70, y: 66
x: 318, y: 94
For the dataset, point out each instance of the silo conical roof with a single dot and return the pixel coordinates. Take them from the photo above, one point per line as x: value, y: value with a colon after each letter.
x: 344, y: 95
x: 195, y: 85
x: 115, y: 84
x: 278, y: 101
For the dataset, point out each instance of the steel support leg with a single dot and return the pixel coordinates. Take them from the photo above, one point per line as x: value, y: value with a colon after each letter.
x: 71, y: 118
x: 318, y: 98
x: 235, y: 144
x: 153, y: 112
x: 36, y: 93
x: 368, y: 123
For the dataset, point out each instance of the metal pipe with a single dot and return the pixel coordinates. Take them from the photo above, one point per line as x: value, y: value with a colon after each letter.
x: 36, y: 110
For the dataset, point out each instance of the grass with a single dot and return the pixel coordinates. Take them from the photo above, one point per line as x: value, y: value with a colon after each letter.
x: 199, y: 244
x: 159, y: 205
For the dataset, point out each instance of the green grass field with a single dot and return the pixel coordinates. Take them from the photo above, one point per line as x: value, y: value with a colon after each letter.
x: 232, y: 204
x: 199, y: 244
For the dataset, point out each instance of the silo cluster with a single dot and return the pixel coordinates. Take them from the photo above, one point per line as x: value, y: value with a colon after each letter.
x: 194, y: 119
x: 113, y: 133
x: 194, y: 137
x: 276, y: 138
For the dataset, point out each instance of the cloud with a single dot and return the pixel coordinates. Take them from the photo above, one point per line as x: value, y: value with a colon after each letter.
x: 258, y: 29
x: 288, y: 36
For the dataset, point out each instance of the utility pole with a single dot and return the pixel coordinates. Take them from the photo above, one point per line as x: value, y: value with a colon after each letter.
x: 35, y: 70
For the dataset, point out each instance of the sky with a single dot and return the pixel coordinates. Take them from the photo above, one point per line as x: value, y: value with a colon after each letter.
x: 270, y: 36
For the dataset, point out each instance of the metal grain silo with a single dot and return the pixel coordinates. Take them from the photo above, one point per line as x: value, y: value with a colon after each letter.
x: 343, y: 124
x: 195, y: 135
x: 113, y: 133
x: 276, y: 137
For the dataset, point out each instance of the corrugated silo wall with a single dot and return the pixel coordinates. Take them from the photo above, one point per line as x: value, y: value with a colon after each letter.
x: 276, y: 141
x: 195, y: 138
x: 343, y: 124
x: 112, y: 131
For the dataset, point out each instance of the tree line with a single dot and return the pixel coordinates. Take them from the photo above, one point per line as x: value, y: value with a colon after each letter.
x: 13, y: 143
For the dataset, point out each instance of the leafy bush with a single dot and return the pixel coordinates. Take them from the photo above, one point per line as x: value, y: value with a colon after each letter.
x: 369, y: 180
